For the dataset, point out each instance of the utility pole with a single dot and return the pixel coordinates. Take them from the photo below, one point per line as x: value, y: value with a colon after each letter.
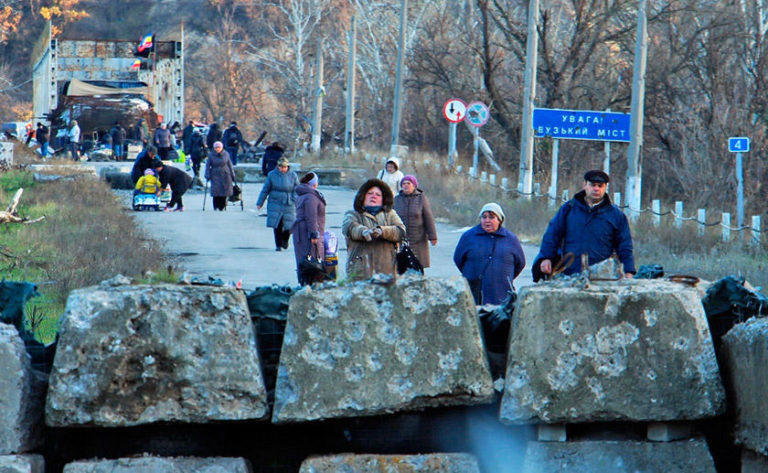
x: 398, y: 106
x: 349, y: 132
x: 317, y: 111
x: 634, y: 176
x: 525, y: 183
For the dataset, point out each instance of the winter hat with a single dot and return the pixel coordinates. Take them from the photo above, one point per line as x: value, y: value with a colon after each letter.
x: 494, y: 208
x: 283, y: 161
x: 218, y: 144
x: 410, y: 178
x: 149, y: 172
x: 309, y: 178
x: 394, y: 161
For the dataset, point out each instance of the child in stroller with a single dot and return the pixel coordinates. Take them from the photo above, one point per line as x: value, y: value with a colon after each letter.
x: 146, y: 195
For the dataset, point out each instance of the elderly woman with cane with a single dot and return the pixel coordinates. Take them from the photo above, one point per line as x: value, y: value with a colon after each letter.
x: 221, y: 174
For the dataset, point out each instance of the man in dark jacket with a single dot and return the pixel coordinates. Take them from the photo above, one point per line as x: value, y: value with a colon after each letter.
x: 118, y: 137
x: 232, y: 140
x: 141, y: 133
x: 41, y: 135
x: 196, y: 151
x: 162, y: 140
x: 587, y: 224
x: 271, y: 155
x: 186, y: 137
x: 214, y: 135
x: 179, y: 181
x: 143, y: 161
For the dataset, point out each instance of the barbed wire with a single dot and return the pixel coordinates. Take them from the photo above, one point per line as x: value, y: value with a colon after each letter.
x: 648, y: 210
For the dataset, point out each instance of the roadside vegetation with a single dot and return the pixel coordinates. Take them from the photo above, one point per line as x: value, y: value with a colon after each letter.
x: 86, y: 237
x: 457, y: 199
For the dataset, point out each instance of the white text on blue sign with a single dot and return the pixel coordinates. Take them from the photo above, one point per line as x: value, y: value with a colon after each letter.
x: 581, y: 125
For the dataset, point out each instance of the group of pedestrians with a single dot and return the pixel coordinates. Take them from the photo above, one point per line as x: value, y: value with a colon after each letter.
x: 489, y: 255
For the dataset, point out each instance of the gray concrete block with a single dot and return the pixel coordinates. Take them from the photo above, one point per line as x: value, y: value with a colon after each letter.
x: 132, y: 355
x: 752, y: 462
x: 433, y: 463
x: 22, y: 393
x: 745, y: 355
x: 628, y: 350
x: 367, y: 349
x: 689, y: 456
x: 22, y: 464
x: 161, y: 465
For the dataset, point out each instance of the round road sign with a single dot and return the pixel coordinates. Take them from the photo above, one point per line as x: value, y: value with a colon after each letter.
x: 455, y: 110
x: 477, y: 114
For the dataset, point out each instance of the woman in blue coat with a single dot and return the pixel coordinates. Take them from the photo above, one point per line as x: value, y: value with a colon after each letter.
x: 490, y: 257
x: 280, y: 187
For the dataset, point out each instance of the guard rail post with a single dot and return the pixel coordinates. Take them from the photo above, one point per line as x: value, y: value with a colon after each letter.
x: 492, y: 179
x: 504, y: 184
x: 537, y: 189
x: 755, y: 230
x: 726, y: 223
x: 656, y: 209
x: 484, y: 177
x: 701, y: 216
x: 565, y: 195
x: 617, y: 198
x: 678, y: 214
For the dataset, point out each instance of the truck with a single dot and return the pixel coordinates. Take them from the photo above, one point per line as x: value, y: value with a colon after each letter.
x: 93, y: 81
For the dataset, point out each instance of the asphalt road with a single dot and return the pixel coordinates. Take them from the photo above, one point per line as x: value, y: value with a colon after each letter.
x: 237, y: 245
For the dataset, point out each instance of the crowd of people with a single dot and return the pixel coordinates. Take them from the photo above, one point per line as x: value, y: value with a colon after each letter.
x: 390, y: 212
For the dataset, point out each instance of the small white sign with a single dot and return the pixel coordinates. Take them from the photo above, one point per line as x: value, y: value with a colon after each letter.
x: 455, y: 110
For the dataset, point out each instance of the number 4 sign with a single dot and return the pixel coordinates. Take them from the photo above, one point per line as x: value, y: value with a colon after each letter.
x: 739, y: 144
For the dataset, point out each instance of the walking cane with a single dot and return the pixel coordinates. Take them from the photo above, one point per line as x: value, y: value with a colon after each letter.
x: 205, y: 194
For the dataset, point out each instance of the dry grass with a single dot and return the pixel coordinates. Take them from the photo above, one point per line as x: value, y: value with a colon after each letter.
x: 457, y: 199
x: 86, y: 237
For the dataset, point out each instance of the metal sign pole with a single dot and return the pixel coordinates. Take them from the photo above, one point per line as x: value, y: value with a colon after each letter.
x: 739, y: 191
x: 451, y: 144
x: 553, y: 185
x: 476, y: 133
x: 607, y: 159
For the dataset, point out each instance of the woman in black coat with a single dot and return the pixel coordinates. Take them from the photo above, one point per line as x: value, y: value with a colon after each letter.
x: 219, y: 170
x: 309, y: 226
x: 271, y: 155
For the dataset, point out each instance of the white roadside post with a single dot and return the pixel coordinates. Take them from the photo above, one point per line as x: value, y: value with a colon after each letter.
x: 553, y: 184
x: 702, y: 218
x: 656, y: 209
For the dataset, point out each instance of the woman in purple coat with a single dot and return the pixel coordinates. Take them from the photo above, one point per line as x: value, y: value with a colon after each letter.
x: 309, y: 226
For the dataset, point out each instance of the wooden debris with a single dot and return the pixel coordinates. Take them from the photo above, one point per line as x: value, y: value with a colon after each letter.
x: 9, y: 215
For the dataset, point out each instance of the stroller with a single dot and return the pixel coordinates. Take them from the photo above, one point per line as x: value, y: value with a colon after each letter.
x: 146, y: 202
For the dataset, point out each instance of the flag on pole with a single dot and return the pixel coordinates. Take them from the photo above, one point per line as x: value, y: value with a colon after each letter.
x: 146, y: 42
x: 136, y: 64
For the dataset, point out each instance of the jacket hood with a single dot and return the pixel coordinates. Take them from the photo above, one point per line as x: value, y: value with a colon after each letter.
x: 305, y: 188
x: 386, y: 193
x: 394, y: 161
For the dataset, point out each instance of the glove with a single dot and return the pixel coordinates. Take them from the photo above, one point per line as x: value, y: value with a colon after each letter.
x: 377, y: 232
x: 367, y: 235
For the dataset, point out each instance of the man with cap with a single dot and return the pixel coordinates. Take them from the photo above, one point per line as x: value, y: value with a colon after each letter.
x: 490, y: 257
x: 587, y: 224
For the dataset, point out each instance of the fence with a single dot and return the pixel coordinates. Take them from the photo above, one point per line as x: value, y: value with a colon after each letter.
x: 754, y: 230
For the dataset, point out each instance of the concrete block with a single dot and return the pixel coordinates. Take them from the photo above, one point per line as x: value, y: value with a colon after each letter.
x: 161, y: 465
x: 610, y: 351
x: 752, y: 462
x: 552, y: 433
x: 22, y: 464
x: 689, y: 456
x: 669, y: 431
x: 131, y: 355
x: 433, y: 463
x: 368, y: 349
x: 22, y: 393
x: 745, y: 356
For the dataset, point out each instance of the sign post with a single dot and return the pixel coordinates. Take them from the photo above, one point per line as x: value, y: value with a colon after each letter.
x: 477, y: 116
x: 739, y: 145
x: 454, y: 110
x: 553, y: 184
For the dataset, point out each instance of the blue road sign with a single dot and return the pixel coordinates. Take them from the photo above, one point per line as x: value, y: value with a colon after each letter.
x: 738, y: 144
x: 581, y: 125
